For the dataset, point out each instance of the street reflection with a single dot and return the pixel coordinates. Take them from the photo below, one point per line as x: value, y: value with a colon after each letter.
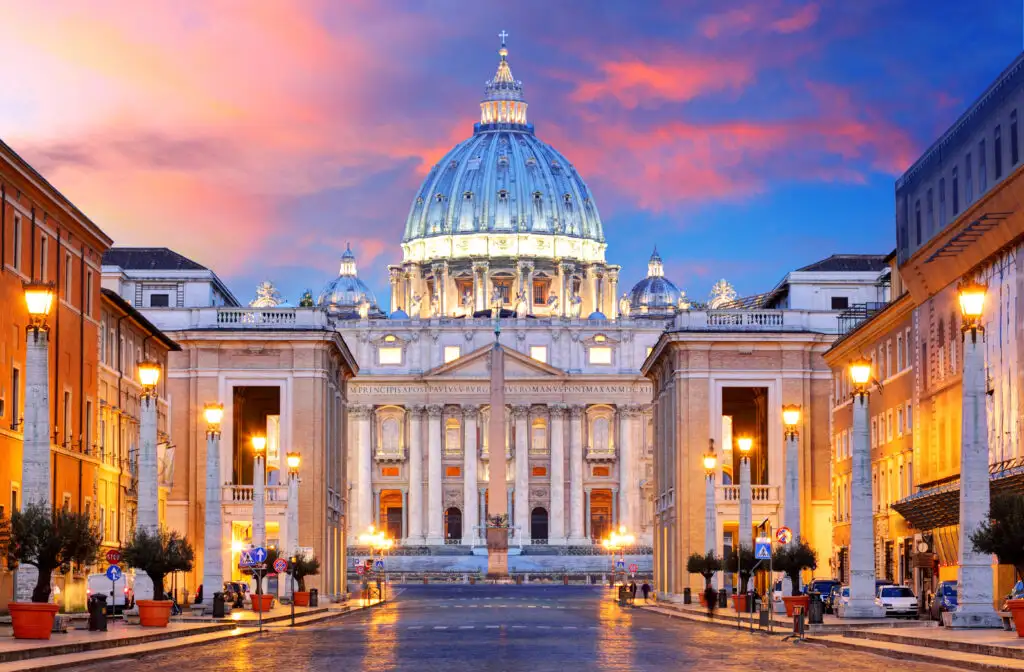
x: 382, y: 639
x: 615, y: 646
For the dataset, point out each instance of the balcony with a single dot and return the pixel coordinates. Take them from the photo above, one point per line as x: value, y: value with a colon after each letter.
x: 395, y: 454
x: 221, y: 317
x: 771, y: 320
x: 600, y: 454
x: 759, y: 495
x: 243, y: 494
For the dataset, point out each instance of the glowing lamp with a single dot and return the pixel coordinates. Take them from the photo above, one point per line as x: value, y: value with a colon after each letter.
x: 710, y: 462
x: 259, y: 445
x: 213, y: 413
x: 972, y: 302
x: 293, y: 460
x: 149, y: 374
x: 860, y: 372
x: 791, y: 416
x: 745, y: 443
x: 38, y: 300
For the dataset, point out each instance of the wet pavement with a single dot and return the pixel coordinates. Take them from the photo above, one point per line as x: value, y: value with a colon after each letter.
x: 533, y: 628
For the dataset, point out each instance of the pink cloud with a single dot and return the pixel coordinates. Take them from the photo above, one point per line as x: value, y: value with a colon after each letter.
x: 801, y: 20
x: 762, y: 17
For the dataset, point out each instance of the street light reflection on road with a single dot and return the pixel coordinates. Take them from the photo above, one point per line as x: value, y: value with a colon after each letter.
x: 616, y: 643
x: 381, y: 639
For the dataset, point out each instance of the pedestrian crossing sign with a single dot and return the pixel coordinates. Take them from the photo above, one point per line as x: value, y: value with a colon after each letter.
x: 763, y: 549
x: 378, y: 565
x: 620, y: 566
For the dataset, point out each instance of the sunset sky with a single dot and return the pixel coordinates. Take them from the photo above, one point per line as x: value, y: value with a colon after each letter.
x: 259, y: 136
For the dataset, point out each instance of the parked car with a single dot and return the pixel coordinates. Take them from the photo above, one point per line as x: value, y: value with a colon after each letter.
x: 822, y: 586
x: 944, y: 600
x: 896, y: 600
x: 122, y: 589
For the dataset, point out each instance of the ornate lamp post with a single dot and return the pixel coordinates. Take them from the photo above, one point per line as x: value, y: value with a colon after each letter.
x: 378, y: 541
x: 147, y: 516
x: 710, y: 522
x: 259, y: 491
x: 617, y: 540
x: 862, y: 542
x: 213, y: 561
x: 292, y: 542
x: 974, y: 589
x: 35, y: 465
x: 745, y: 443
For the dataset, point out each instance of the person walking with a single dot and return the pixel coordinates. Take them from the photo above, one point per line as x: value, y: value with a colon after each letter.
x: 711, y: 598
x: 646, y: 590
x: 632, y: 593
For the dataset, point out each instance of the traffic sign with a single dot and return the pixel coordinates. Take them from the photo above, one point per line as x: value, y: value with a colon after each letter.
x: 258, y: 555
x: 359, y: 570
x: 620, y: 565
x: 114, y: 573
x: 113, y: 557
x: 634, y: 568
x: 763, y: 548
x: 784, y: 535
x: 378, y: 565
x: 280, y: 565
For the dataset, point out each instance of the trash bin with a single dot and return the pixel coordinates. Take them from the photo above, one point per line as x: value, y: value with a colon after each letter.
x: 98, y: 613
x: 815, y: 609
x: 623, y: 599
x: 723, y: 598
x: 218, y: 605
x: 314, y: 597
x: 687, y: 597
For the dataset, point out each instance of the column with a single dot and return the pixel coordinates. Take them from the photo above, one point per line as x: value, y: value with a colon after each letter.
x: 586, y: 515
x: 291, y: 544
x: 435, y: 526
x: 147, y: 517
x: 405, y: 514
x: 746, y: 536
x: 213, y: 564
x: 470, y: 512
x: 616, y: 520
x: 974, y: 589
x: 565, y: 288
x: 35, y: 470
x: 416, y: 474
x: 612, y: 296
x: 791, y: 508
x: 376, y: 509
x: 556, y: 526
x: 598, y: 273
x: 710, y: 522
x: 862, y: 542
x: 483, y: 508
x: 395, y: 277
x: 481, y: 293
x: 364, y: 505
x: 520, y: 415
x: 627, y: 460
x: 576, y: 529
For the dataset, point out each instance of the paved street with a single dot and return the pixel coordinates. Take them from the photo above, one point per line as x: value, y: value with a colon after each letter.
x: 540, y: 628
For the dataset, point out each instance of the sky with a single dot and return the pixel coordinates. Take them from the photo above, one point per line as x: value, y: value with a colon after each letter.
x: 744, y: 138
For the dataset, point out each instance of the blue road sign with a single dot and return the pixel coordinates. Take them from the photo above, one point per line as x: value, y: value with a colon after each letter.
x: 258, y: 555
x: 620, y: 565
x: 378, y: 564
x: 114, y: 573
x: 763, y: 549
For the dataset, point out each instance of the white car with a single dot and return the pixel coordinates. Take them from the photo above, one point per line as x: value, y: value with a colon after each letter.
x: 122, y: 589
x: 897, y: 600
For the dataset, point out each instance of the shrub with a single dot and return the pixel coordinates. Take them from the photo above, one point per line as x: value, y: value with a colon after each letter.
x: 793, y: 558
x: 158, y: 554
x: 1003, y: 534
x: 705, y: 564
x: 303, y: 567
x: 741, y: 560
x: 49, y: 541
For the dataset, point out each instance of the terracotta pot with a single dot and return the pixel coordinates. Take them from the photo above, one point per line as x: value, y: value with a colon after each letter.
x: 154, y: 613
x: 301, y: 598
x: 565, y: 580
x: 32, y: 620
x: 262, y: 602
x: 795, y: 600
x: 1016, y: 608
x: 703, y: 599
x: 739, y: 603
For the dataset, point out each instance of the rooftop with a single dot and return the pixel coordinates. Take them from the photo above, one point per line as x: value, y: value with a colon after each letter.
x: 847, y: 263
x: 149, y: 259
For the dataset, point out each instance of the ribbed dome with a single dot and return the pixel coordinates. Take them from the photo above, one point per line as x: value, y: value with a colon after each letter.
x: 503, y: 180
x: 344, y: 294
x: 655, y: 294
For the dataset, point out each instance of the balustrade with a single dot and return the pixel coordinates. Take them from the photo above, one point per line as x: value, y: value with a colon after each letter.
x: 274, y: 494
x: 758, y: 493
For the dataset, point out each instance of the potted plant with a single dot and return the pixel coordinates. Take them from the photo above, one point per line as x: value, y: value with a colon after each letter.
x: 157, y: 554
x: 706, y: 565
x: 46, y: 540
x: 1002, y: 535
x: 302, y: 567
x: 741, y: 561
x: 792, y: 559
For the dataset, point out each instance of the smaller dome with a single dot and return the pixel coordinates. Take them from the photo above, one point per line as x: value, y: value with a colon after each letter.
x: 399, y: 315
x: 346, y: 295
x: 655, y: 294
x: 597, y: 315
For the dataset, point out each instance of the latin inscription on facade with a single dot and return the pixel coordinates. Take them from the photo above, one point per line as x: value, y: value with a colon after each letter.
x: 510, y: 388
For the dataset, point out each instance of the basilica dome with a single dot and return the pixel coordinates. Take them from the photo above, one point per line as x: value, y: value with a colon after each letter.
x: 347, y: 295
x: 655, y: 294
x: 503, y: 192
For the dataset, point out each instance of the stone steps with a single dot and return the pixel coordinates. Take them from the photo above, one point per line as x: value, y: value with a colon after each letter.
x: 959, y: 660
x: 978, y: 648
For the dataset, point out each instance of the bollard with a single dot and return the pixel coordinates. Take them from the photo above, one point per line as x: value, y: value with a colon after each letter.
x: 687, y: 596
x: 314, y: 597
x: 218, y: 605
x: 723, y: 598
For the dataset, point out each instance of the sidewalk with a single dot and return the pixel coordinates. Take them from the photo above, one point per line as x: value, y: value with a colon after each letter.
x: 79, y: 646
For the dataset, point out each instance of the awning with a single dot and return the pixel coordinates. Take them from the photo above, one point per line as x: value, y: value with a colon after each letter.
x: 940, y: 506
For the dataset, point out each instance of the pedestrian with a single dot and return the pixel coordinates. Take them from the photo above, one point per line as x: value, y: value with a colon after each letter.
x: 711, y: 598
x: 632, y: 592
x: 646, y: 590
x: 198, y: 599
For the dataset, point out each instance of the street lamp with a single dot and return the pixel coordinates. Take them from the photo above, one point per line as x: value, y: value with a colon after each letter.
x: 791, y: 418
x: 213, y: 565
x: 617, y: 540
x: 860, y: 375
x: 378, y: 540
x: 745, y: 443
x: 974, y: 589
x: 791, y: 510
x: 38, y: 302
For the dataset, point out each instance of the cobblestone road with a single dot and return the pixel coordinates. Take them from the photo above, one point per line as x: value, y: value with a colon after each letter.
x: 452, y: 628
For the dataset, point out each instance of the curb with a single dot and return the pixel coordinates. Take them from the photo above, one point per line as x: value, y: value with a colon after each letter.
x: 914, y: 656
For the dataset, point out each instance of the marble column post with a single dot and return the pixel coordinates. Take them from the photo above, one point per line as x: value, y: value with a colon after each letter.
x: 974, y: 588
x: 710, y: 518
x: 556, y: 529
x: 613, y: 294
x: 376, y: 522
x: 483, y: 510
x: 35, y: 464
x: 416, y: 474
x: 791, y: 509
x: 291, y: 545
x: 395, y: 277
x: 470, y: 512
x: 576, y: 529
x: 435, y: 520
x: 862, y: 542
x: 405, y: 514
x: 566, y: 288
x: 364, y: 451
x: 586, y: 514
x: 746, y: 535
x: 147, y: 515
x: 213, y: 541
x: 521, y: 415
x: 627, y: 463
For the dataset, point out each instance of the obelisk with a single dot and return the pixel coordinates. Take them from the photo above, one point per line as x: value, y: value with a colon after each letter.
x: 497, y: 505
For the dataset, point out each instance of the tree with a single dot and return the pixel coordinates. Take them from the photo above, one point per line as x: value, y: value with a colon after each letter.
x: 1002, y: 535
x: 793, y: 558
x: 705, y: 564
x: 745, y: 566
x: 49, y: 541
x: 159, y: 554
x: 303, y: 567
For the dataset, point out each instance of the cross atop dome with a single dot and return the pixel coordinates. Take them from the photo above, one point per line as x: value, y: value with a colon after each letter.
x: 503, y: 34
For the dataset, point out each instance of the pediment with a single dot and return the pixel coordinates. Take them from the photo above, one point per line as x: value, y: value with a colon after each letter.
x: 477, y: 364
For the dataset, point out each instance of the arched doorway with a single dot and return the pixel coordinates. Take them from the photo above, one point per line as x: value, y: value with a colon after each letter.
x: 539, y: 525
x: 453, y: 526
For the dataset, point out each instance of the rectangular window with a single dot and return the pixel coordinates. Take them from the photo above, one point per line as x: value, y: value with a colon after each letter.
x: 899, y: 352
x: 968, y: 180
x: 453, y: 471
x: 982, y: 169
x: 159, y: 300
x: 389, y: 471
x: 899, y: 422
x: 540, y: 292
x: 103, y: 523
x: 942, y: 202
x: 600, y: 355
x: 931, y: 213
x: 451, y: 353
x: 908, y: 418
x: 997, y: 152
x: 874, y: 432
x: 840, y: 302
x: 17, y: 243
x: 68, y: 270
x: 15, y: 398
x: 917, y: 220
x: 540, y: 471
x: 1014, y: 148
x: 88, y: 292
x: 88, y: 428
x: 44, y: 258
x: 601, y: 471
x: 389, y: 355
x: 888, y: 425
x: 539, y: 352
x: 956, y: 192
x: 888, y: 359
x: 67, y: 418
